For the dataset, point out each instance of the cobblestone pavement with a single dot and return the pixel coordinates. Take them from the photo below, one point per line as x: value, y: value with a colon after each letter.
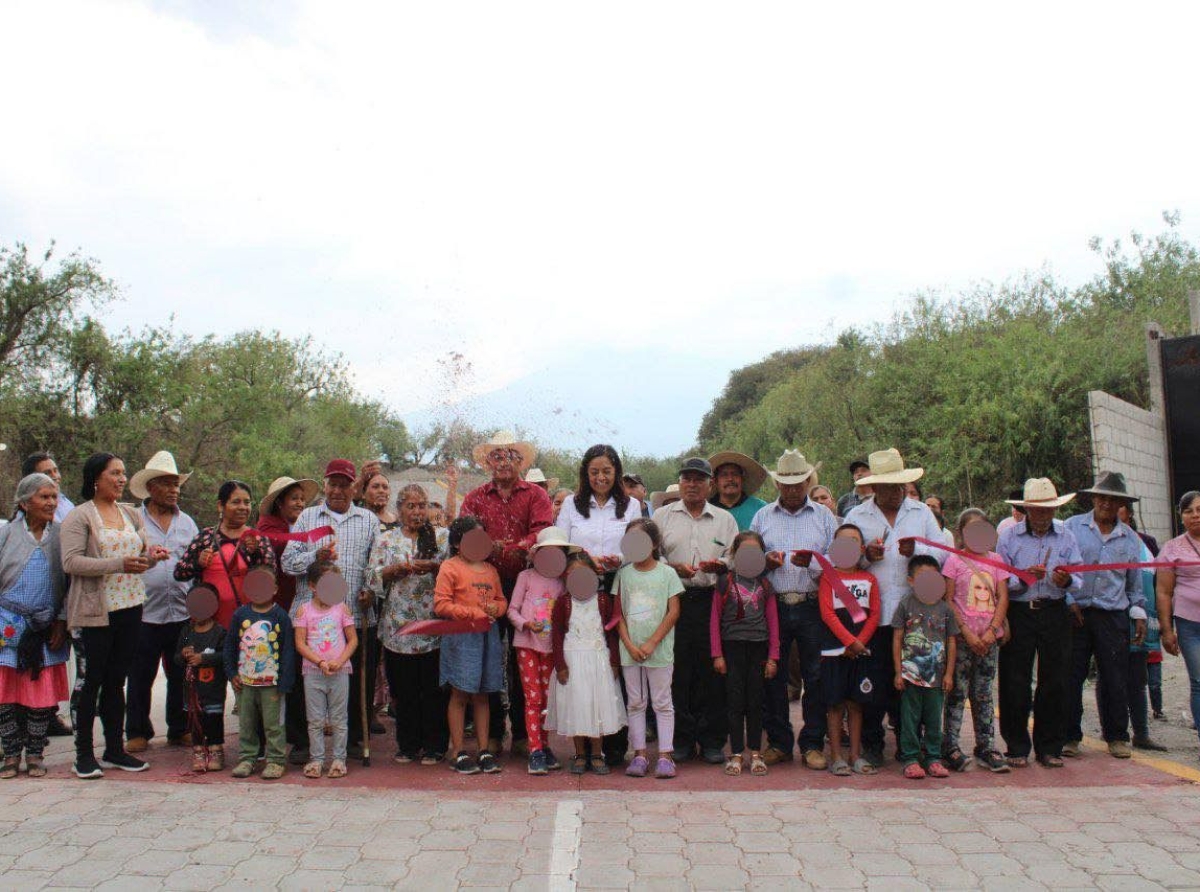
x: 58, y: 833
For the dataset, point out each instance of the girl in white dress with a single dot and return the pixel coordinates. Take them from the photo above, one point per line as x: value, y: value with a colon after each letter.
x: 585, y: 700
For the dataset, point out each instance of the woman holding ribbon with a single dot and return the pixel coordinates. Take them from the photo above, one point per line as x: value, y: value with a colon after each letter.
x: 33, y: 670
x: 222, y: 555
x: 1178, y: 591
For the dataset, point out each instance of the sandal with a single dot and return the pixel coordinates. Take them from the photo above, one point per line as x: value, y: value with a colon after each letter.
x: 599, y: 766
x: 313, y: 769
x: 757, y: 766
x: 840, y: 768
x: 862, y: 766
x: 10, y: 768
x: 337, y: 768
x: 35, y: 766
x: 914, y: 771
x: 733, y: 766
x: 1017, y: 761
x: 578, y: 764
x: 1050, y: 761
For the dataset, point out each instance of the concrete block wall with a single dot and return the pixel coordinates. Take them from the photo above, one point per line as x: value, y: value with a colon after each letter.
x: 1129, y: 439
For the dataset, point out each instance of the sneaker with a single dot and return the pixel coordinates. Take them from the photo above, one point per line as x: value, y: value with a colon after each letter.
x: 404, y: 758
x: 137, y: 745
x: 773, y: 755
x: 1145, y: 743
x: 274, y: 771
x: 665, y: 769
x: 124, y: 761
x: 184, y: 739
x: 1118, y: 749
x: 299, y: 756
x: 432, y: 758
x: 815, y: 759
x: 488, y: 764
x: 216, y: 758
x: 242, y: 769
x: 87, y: 767
x: 552, y: 760
x: 464, y: 764
x: 956, y: 760
x: 994, y: 762
x: 714, y: 756
x: 1071, y: 748
x: 1159, y: 716
x: 537, y: 763
x: 638, y: 767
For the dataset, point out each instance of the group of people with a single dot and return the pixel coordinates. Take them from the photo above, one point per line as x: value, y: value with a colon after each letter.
x: 531, y: 611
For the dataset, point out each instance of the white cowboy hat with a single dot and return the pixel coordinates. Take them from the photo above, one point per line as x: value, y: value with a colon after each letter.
x: 553, y: 536
x: 754, y: 475
x: 666, y: 497
x: 1041, y: 493
x: 504, y: 440
x: 887, y: 466
x: 281, y: 484
x: 161, y: 464
x: 536, y: 475
x: 793, y: 467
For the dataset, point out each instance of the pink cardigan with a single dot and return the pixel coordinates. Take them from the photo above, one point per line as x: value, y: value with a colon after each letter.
x: 532, y: 599
x: 721, y: 595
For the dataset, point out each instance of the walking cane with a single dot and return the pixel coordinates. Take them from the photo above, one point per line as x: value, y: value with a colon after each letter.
x: 362, y: 691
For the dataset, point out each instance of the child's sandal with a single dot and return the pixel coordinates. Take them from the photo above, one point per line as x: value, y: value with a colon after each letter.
x: 733, y: 766
x: 35, y: 766
x: 840, y: 768
x: 313, y: 769
x: 10, y: 768
x: 862, y: 766
x: 337, y: 768
x: 578, y: 764
x: 599, y: 766
x: 757, y: 766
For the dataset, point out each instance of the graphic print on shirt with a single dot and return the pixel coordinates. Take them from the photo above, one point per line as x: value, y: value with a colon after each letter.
x: 981, y: 594
x: 258, y: 653
x: 861, y: 589
x: 325, y: 634
x: 922, y: 655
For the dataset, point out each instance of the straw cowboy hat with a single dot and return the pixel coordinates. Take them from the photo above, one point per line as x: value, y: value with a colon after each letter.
x: 793, y: 467
x: 161, y: 464
x: 504, y: 440
x: 1112, y: 484
x: 887, y: 466
x: 553, y: 536
x: 536, y: 475
x: 281, y: 484
x: 1039, y: 492
x: 754, y: 475
x: 669, y: 495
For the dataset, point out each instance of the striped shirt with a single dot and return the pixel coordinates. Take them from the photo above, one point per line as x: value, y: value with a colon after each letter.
x: 355, y: 532
x: 810, y: 527
x: 1020, y: 548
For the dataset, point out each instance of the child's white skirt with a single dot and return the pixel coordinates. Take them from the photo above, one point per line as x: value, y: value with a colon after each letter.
x: 590, y: 703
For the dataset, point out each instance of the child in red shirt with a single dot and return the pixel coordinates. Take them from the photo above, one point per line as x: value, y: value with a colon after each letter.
x: 847, y: 681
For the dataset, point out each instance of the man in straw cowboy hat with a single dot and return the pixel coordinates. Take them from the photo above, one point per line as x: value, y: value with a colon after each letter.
x: 1104, y: 605
x: 888, y: 520
x: 696, y: 539
x: 736, y: 478
x: 1039, y: 619
x: 512, y: 512
x: 538, y: 477
x: 165, y: 612
x: 791, y: 523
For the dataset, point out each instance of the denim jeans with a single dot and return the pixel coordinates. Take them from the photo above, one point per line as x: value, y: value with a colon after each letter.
x: 1189, y: 646
x: 799, y: 623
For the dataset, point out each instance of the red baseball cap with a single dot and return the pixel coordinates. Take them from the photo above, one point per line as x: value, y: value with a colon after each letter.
x: 341, y: 467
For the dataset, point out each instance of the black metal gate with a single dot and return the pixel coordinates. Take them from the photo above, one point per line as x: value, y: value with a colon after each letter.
x: 1181, y: 392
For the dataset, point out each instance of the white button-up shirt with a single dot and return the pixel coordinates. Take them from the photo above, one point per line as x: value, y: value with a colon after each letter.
x: 600, y: 533
x: 912, y: 519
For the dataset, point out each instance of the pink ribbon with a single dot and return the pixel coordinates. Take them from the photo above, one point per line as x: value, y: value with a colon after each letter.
x: 857, y: 614
x: 283, y: 538
x: 1024, y: 575
x: 444, y: 626
x: 1137, y: 565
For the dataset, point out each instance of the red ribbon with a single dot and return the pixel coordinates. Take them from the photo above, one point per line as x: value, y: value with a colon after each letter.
x: 1024, y: 575
x: 284, y: 538
x: 857, y: 614
x: 444, y: 626
x: 1137, y: 565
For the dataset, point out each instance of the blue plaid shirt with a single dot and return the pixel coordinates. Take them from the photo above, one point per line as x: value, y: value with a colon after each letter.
x: 810, y: 527
x: 355, y: 533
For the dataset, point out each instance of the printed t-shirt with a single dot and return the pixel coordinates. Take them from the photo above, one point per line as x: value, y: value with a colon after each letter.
x: 324, y: 633
x: 644, y: 597
x: 976, y: 589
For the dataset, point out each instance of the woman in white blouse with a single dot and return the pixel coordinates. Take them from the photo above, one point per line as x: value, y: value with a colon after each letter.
x: 595, y: 518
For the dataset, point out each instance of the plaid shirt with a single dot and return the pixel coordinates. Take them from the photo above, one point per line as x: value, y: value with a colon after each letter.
x: 811, y: 527
x: 355, y: 533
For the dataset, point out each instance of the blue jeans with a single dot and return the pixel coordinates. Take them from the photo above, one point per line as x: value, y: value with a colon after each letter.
x: 1189, y: 646
x: 799, y: 623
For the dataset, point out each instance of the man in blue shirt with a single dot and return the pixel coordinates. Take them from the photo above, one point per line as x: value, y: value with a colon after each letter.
x: 1104, y: 604
x: 1040, y: 627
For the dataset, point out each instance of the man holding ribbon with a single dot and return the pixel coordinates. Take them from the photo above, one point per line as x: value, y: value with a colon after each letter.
x: 890, y: 524
x: 1105, y: 603
x: 354, y: 530
x: 792, y: 527
x: 1039, y: 619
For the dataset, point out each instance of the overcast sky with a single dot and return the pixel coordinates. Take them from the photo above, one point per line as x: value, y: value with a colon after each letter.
x: 535, y: 185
